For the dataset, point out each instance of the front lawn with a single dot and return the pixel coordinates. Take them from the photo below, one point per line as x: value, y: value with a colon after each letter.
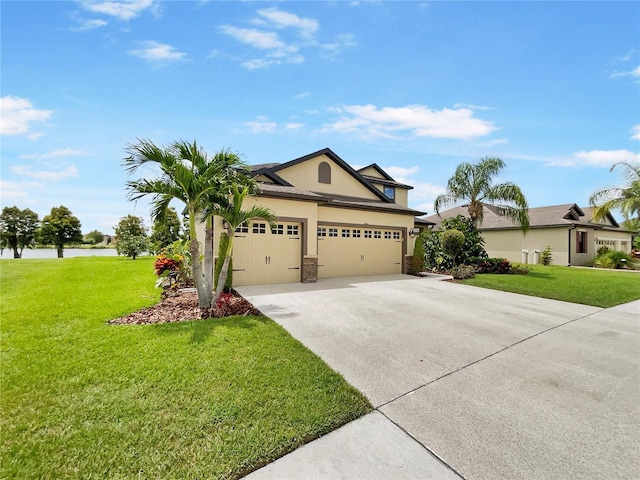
x: 589, y: 286
x: 211, y: 398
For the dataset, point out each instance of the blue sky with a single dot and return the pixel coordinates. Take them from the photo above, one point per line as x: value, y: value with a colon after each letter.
x: 551, y: 88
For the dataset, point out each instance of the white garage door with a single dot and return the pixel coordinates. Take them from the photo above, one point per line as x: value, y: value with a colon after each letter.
x: 351, y: 251
x: 261, y: 255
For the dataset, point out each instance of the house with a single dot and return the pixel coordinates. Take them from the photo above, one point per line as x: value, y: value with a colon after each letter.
x: 570, y: 231
x: 333, y: 221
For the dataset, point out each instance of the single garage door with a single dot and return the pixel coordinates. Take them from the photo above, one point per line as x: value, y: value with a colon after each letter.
x: 351, y: 251
x: 262, y: 255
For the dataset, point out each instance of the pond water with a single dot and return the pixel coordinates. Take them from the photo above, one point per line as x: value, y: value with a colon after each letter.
x: 7, y: 253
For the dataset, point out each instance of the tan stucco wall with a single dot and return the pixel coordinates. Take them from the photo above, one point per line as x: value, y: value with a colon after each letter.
x: 510, y: 243
x: 305, y: 176
x: 402, y: 196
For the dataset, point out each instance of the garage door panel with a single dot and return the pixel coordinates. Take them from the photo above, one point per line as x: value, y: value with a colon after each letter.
x: 263, y: 256
x: 356, y: 251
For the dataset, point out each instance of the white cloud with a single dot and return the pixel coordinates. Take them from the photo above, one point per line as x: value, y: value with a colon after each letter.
x: 124, y: 10
x: 302, y: 95
x: 17, y: 114
x: 85, y: 25
x: 294, y: 126
x: 156, y: 52
x: 421, y: 190
x: 307, y: 27
x: 636, y: 132
x: 632, y: 73
x: 597, y: 158
x: 13, y: 190
x: 45, y: 175
x: 370, y: 121
x: 261, y: 126
x: 62, y: 152
x: 281, y: 36
x: 471, y: 106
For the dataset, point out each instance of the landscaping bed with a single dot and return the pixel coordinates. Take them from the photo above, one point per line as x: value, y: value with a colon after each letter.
x: 182, y: 306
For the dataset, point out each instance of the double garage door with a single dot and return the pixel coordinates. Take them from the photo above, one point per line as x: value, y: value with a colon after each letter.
x: 351, y: 251
x: 262, y: 255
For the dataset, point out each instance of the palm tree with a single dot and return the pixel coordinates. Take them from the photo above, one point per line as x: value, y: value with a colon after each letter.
x: 626, y: 199
x: 472, y: 183
x: 230, y: 210
x: 187, y: 174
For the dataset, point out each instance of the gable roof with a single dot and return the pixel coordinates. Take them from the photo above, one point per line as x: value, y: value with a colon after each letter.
x: 385, y: 178
x: 568, y: 214
x: 270, y: 170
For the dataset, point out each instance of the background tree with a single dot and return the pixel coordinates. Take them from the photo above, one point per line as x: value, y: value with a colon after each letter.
x: 18, y: 229
x: 60, y: 228
x: 166, y: 231
x: 94, y: 237
x: 131, y: 236
x: 230, y: 209
x: 472, y: 183
x: 626, y: 198
x: 188, y: 174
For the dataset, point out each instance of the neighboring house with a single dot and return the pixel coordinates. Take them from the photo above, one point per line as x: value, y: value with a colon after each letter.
x: 569, y: 230
x: 333, y: 221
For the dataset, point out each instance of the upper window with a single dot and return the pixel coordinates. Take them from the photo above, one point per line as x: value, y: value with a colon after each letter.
x: 259, y: 228
x: 581, y: 242
x: 243, y: 228
x: 278, y: 230
x: 390, y: 192
x: 324, y: 173
x: 292, y: 229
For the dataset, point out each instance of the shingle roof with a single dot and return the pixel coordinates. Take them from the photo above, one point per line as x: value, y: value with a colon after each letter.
x: 551, y: 216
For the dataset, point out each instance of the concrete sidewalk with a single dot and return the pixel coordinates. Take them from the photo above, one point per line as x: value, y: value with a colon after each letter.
x: 466, y: 381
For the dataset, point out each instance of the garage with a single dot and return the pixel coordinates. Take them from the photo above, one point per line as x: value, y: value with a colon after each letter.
x: 262, y: 255
x: 358, y: 250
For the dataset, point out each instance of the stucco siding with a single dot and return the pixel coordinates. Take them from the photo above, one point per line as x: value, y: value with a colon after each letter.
x: 510, y: 243
x: 305, y: 176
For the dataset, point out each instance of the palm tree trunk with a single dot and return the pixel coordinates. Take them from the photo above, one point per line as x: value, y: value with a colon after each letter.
x: 208, y: 256
x: 204, y: 294
x: 222, y: 279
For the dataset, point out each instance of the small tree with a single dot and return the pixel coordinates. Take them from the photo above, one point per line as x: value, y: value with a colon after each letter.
x: 165, y: 230
x: 60, y: 228
x: 546, y: 256
x: 417, y: 261
x: 132, y: 237
x: 452, y: 242
x: 18, y: 229
x: 94, y: 237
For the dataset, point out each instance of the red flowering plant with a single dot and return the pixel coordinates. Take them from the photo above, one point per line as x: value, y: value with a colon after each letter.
x: 172, y: 266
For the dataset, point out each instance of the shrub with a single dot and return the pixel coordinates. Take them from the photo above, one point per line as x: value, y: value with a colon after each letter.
x: 452, y: 242
x: 546, y: 256
x: 615, y: 259
x: 463, y: 271
x: 602, y: 251
x: 436, y: 258
x: 417, y: 261
x: 494, y: 265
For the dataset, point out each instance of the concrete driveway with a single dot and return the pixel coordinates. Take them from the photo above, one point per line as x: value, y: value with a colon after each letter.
x: 465, y: 381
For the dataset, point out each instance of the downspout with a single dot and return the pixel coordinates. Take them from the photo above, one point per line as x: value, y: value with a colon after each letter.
x: 572, y: 228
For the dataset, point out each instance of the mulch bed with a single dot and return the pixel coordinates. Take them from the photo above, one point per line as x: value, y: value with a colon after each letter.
x: 183, y: 306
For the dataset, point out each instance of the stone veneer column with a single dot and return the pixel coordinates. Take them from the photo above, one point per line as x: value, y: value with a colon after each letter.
x: 310, y: 269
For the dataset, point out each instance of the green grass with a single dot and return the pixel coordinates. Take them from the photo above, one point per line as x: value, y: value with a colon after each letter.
x: 589, y: 286
x: 200, y: 399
